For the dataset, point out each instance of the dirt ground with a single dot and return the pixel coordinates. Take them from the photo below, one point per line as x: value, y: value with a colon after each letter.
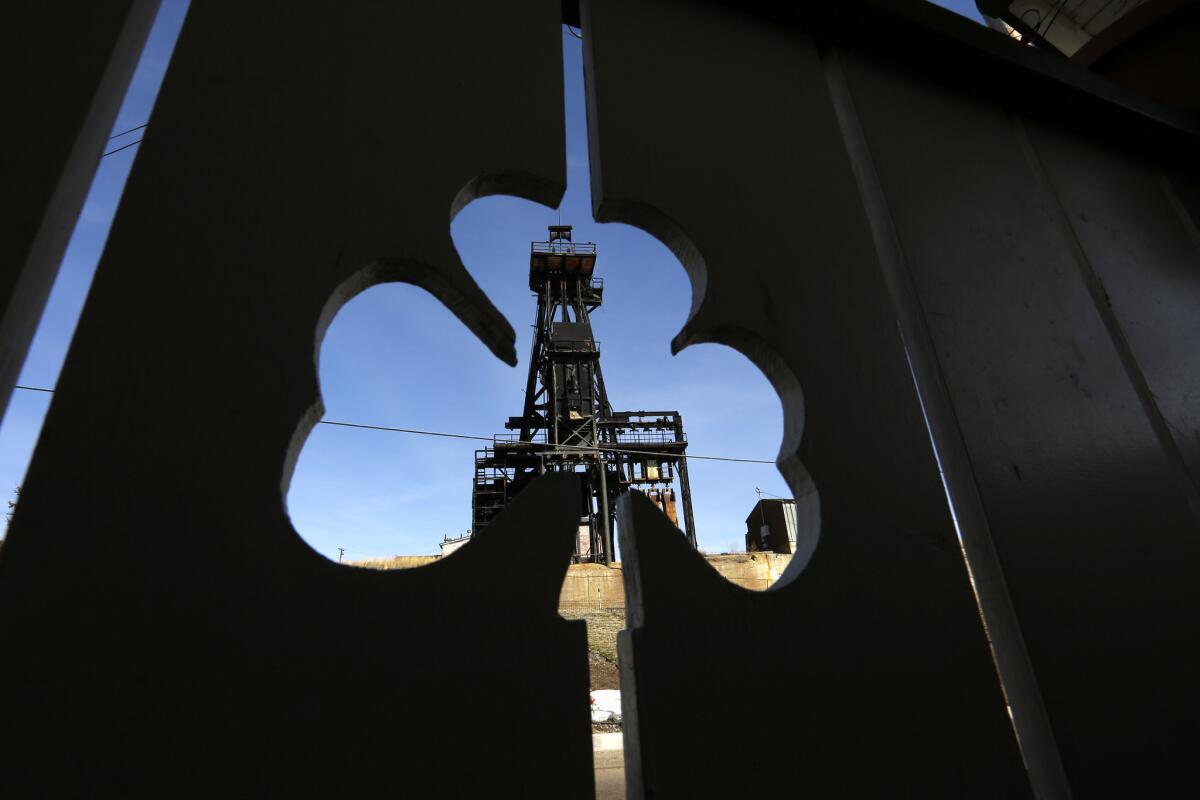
x: 603, y: 673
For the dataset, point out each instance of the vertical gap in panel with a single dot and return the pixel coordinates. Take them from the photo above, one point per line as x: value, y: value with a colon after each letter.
x: 1103, y: 306
x: 1030, y: 720
x: 1186, y: 220
x: 27, y: 408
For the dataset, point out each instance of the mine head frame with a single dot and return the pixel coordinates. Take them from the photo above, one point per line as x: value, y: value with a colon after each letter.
x: 568, y: 424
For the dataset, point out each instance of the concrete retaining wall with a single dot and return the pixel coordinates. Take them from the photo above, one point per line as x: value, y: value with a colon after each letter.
x: 600, y: 586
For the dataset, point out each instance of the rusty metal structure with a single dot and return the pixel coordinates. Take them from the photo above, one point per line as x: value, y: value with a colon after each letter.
x: 568, y: 424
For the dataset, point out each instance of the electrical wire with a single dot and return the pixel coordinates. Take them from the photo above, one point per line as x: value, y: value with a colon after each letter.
x: 1053, y: 17
x: 605, y: 448
x: 689, y: 456
x: 1099, y: 11
x: 131, y: 130
x: 119, y: 149
x: 404, y: 430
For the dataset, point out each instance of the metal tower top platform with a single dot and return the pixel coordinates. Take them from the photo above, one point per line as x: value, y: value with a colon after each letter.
x: 559, y: 258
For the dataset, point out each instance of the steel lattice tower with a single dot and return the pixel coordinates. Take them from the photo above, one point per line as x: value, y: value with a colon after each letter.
x: 568, y: 424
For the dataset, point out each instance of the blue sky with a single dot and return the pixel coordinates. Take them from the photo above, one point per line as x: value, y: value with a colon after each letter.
x: 395, y: 357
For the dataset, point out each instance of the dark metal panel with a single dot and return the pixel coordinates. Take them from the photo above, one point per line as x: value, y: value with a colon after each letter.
x: 1141, y: 256
x: 706, y: 126
x: 175, y: 636
x: 66, y: 69
x: 1093, y: 531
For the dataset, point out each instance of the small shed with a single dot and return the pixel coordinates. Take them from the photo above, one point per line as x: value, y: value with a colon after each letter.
x: 771, y: 527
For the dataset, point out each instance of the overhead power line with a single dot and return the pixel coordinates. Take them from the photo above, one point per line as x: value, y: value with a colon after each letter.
x: 419, y: 432
x: 131, y: 130
x: 609, y: 449
x: 605, y: 448
x: 119, y: 149
x: 404, y: 430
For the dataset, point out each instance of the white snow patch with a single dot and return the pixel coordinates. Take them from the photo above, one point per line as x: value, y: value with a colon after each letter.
x: 606, y: 704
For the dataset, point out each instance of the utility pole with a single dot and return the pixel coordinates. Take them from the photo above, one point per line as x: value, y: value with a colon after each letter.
x: 761, y: 515
x: 341, y: 550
